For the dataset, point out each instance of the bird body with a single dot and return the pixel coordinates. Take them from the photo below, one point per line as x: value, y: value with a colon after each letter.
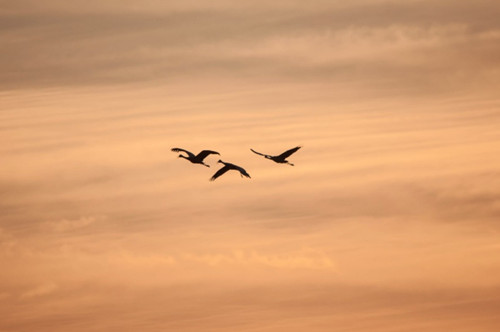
x: 227, y: 167
x: 280, y: 159
x: 195, y: 159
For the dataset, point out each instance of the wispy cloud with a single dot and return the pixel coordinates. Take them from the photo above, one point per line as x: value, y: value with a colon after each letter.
x: 72, y: 224
x: 363, y: 43
x: 306, y: 259
x: 7, y: 241
x: 40, y: 290
x: 387, y: 221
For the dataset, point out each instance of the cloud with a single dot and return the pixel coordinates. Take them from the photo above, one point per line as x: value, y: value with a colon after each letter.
x: 39, y: 291
x: 473, y: 198
x: 305, y: 259
x: 405, y: 47
x: 66, y: 225
x: 7, y: 241
x: 388, y: 220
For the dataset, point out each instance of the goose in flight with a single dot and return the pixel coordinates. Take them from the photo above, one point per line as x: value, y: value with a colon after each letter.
x: 227, y: 167
x: 280, y: 158
x: 198, y: 159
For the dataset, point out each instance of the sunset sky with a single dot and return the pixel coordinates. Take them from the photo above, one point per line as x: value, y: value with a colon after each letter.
x: 388, y: 222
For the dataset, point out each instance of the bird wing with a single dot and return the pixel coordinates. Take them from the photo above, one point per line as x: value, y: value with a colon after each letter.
x: 220, y: 172
x: 265, y: 155
x: 203, y: 154
x: 243, y: 172
x: 288, y: 153
x: 182, y: 150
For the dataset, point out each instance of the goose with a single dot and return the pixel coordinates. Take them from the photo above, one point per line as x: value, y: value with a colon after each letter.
x: 198, y: 159
x: 227, y: 167
x: 280, y: 158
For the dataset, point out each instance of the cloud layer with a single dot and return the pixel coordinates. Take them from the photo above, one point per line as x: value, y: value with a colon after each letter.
x: 388, y: 221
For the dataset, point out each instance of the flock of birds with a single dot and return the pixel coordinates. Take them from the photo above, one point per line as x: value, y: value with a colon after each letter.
x: 198, y: 159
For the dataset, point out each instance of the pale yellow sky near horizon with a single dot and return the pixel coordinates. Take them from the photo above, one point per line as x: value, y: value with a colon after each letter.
x: 389, y: 220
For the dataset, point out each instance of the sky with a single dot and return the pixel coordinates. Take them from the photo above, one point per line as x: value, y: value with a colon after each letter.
x: 389, y: 220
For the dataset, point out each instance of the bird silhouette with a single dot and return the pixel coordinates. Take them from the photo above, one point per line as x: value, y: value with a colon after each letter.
x: 227, y: 167
x: 280, y: 159
x: 195, y: 159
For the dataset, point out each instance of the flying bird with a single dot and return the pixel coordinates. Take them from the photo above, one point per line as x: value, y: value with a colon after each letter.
x: 227, y: 167
x: 281, y: 159
x: 198, y: 159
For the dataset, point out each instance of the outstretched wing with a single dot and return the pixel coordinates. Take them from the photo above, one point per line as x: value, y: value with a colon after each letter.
x: 182, y: 150
x: 265, y: 155
x: 219, y: 173
x: 203, y: 154
x: 288, y: 153
x: 243, y: 172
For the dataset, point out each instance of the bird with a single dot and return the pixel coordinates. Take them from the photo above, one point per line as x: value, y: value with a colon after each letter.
x: 280, y: 159
x: 227, y: 167
x: 198, y: 159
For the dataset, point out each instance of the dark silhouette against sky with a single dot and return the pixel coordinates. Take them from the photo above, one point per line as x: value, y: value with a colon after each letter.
x: 228, y: 167
x: 280, y: 159
x: 195, y: 159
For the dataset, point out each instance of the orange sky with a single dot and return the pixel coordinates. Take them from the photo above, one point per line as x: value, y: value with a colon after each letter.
x: 389, y: 220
